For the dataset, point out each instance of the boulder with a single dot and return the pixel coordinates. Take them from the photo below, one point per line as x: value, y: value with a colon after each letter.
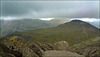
x: 90, y: 51
x: 39, y: 48
x: 6, y: 55
x: 27, y: 52
x: 55, y: 53
x: 36, y: 49
x: 61, y: 45
x: 50, y: 46
x: 45, y: 46
x: 16, y: 46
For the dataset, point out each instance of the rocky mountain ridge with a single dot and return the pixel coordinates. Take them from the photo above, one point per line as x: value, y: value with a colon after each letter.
x: 73, y: 32
x: 16, y: 47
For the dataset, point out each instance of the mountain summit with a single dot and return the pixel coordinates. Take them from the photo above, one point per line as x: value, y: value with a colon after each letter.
x: 80, y: 25
x: 77, y: 23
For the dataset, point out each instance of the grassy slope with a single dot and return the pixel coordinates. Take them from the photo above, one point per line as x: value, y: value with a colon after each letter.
x: 73, y: 32
x: 93, y: 41
x: 10, y: 26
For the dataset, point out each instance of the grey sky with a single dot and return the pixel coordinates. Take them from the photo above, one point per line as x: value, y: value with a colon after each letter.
x: 50, y: 9
x: 50, y: 0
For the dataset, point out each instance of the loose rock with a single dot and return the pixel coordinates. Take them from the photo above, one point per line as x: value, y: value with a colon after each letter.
x: 61, y: 45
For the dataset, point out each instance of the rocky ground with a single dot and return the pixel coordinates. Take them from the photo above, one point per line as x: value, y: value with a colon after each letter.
x: 57, y: 53
x: 17, y: 47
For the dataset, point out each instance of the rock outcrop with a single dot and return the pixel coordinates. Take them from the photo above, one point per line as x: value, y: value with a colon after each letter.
x: 16, y: 46
x: 36, y: 49
x: 61, y: 45
x: 61, y: 49
x: 55, y: 53
x: 39, y: 48
x: 6, y: 55
x: 88, y: 48
x: 90, y: 51
x: 45, y: 46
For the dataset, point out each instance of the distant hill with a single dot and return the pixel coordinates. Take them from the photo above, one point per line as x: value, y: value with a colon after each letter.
x: 9, y: 26
x: 73, y: 32
x: 58, y: 21
x: 19, y: 25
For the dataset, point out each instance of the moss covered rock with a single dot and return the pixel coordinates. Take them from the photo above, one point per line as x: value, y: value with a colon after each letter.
x: 17, y: 46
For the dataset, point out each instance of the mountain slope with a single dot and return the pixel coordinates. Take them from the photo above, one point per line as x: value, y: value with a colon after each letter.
x: 95, y: 23
x: 73, y: 32
x: 9, y: 26
x: 58, y: 21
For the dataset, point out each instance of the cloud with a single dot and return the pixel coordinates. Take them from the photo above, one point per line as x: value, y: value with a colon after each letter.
x: 50, y: 0
x: 87, y: 19
x: 50, y: 9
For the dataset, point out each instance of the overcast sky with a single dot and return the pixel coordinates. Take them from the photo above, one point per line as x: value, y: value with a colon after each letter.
x: 50, y: 9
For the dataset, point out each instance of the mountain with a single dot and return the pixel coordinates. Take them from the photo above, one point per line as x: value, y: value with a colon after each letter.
x: 58, y: 21
x: 73, y: 32
x: 10, y: 26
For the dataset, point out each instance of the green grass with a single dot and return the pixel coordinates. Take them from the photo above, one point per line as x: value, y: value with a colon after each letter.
x: 71, y: 32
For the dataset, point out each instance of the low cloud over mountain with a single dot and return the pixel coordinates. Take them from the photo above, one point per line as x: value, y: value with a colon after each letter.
x: 50, y: 9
